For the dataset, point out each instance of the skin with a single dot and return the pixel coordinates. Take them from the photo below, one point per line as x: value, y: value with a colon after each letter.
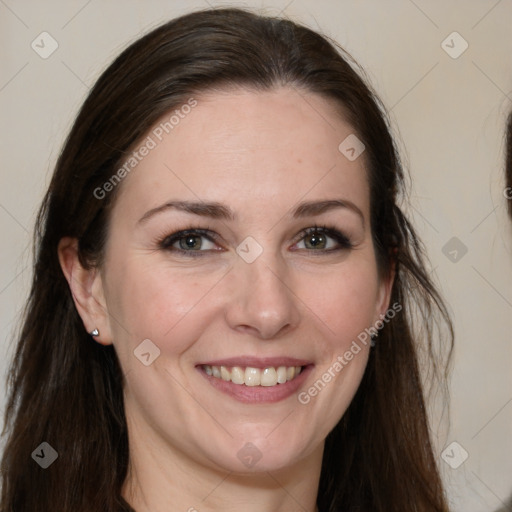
x: 259, y: 154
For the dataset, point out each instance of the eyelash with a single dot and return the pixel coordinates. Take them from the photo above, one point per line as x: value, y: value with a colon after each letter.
x: 167, y: 242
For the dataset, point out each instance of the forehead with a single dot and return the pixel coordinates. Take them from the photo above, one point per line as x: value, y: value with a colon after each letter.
x: 241, y: 146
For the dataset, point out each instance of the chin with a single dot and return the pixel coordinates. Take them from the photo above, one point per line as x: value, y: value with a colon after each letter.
x: 261, y: 454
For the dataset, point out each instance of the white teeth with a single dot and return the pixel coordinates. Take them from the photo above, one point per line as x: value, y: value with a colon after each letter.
x: 252, y: 376
x: 269, y: 377
x: 281, y: 375
x: 224, y: 373
x: 249, y: 376
x: 237, y: 375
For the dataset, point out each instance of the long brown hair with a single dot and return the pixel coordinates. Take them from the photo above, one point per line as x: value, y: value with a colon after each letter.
x: 67, y: 390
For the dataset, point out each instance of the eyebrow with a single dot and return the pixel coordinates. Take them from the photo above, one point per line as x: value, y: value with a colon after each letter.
x: 216, y: 210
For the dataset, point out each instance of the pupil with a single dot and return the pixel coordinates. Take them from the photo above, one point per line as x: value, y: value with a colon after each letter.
x: 191, y: 242
x: 316, y: 240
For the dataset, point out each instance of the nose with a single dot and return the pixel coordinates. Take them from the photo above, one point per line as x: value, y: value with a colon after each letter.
x: 263, y: 302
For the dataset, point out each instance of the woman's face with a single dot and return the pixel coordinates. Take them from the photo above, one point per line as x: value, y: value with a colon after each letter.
x: 248, y: 289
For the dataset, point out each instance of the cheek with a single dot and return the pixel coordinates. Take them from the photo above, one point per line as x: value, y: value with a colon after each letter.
x: 157, y: 302
x: 344, y: 300
x: 163, y: 303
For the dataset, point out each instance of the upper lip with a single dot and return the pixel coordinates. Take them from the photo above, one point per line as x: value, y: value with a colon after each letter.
x: 257, y: 362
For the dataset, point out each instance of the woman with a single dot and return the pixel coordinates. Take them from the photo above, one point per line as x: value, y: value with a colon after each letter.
x: 222, y: 309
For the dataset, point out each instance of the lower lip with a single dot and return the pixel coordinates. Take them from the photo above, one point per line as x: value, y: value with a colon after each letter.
x: 258, y: 394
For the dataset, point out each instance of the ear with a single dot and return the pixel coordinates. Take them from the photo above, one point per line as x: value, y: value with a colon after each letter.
x: 87, y: 289
x: 384, y: 293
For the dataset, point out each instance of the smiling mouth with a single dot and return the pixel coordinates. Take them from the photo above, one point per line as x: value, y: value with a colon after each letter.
x: 252, y: 377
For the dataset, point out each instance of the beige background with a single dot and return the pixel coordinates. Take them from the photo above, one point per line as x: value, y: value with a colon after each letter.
x: 450, y: 113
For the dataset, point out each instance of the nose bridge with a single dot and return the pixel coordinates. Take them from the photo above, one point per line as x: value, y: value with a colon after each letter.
x: 268, y: 277
x: 266, y: 280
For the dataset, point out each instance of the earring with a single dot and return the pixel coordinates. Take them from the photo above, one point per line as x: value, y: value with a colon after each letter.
x: 373, y: 340
x: 94, y: 333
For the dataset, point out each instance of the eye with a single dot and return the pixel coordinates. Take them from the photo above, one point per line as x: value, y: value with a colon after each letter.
x: 192, y: 240
x: 323, y: 238
x: 198, y: 241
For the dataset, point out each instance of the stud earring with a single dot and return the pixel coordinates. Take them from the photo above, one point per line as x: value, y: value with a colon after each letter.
x: 94, y: 333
